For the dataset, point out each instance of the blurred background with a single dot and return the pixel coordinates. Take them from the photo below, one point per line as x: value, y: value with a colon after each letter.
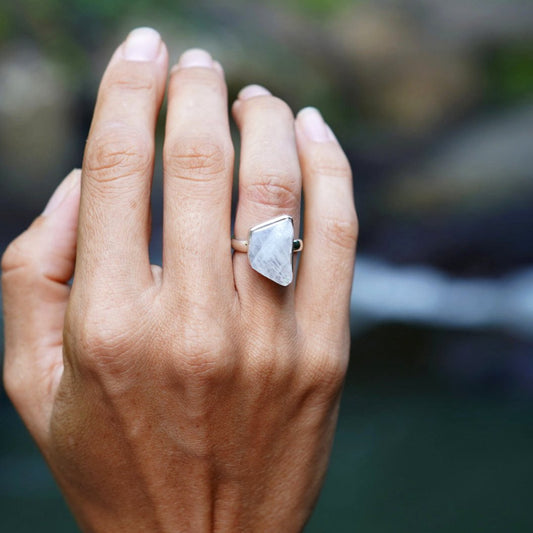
x: 433, y: 102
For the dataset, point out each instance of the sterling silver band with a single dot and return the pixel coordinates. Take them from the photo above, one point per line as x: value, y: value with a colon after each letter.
x: 242, y: 246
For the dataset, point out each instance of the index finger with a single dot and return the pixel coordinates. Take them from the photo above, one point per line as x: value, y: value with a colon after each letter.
x: 114, y: 223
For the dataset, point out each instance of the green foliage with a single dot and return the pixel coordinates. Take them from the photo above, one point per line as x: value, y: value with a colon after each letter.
x: 509, y: 73
x: 317, y: 7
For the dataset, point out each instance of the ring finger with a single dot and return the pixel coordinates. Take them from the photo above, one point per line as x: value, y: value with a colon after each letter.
x: 269, y: 184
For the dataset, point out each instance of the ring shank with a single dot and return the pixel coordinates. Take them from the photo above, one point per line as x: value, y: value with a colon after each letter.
x: 242, y: 246
x: 239, y: 246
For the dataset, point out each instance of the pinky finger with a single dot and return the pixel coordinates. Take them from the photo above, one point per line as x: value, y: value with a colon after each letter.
x: 330, y: 229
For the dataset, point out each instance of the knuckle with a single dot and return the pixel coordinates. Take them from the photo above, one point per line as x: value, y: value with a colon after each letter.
x: 102, y: 340
x: 331, y: 165
x: 200, y: 361
x: 124, y: 78
x: 272, y: 353
x: 271, y: 105
x: 341, y: 231
x: 14, y: 256
x: 196, y: 159
x: 201, y: 351
x: 271, y: 366
x: 98, y: 343
x: 275, y: 190
x: 195, y: 77
x: 325, y: 374
x: 203, y: 356
x: 20, y: 254
x: 116, y: 152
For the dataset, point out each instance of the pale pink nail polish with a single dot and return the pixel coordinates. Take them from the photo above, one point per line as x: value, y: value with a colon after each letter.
x: 250, y: 91
x: 62, y: 191
x: 331, y: 135
x: 195, y: 57
x: 142, y: 44
x: 218, y: 67
x: 313, y: 125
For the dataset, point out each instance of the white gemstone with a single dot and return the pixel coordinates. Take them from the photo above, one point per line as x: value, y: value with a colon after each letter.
x: 270, y: 249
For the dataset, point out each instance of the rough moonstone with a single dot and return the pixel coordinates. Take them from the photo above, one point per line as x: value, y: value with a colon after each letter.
x: 270, y: 249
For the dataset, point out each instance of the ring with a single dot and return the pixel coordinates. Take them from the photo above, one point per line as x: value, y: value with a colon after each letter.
x: 270, y: 246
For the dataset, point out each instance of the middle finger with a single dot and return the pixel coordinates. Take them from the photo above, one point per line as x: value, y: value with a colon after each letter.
x: 198, y: 160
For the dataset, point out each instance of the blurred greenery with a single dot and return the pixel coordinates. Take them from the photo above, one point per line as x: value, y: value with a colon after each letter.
x: 509, y: 72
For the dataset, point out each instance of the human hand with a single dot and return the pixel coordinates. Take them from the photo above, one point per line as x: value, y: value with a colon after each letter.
x: 199, y: 396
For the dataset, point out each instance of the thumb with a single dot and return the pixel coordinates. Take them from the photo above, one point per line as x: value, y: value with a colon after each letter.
x: 36, y: 269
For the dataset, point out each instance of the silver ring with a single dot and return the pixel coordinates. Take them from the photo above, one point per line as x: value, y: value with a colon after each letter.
x: 270, y: 246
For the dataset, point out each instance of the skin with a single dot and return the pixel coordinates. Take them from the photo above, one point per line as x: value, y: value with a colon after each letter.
x: 199, y: 396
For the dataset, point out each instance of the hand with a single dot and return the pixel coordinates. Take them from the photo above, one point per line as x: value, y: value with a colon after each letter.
x: 199, y: 396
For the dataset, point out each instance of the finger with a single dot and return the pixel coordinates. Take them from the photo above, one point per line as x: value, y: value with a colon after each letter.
x: 36, y: 269
x: 198, y: 167
x: 269, y: 183
x: 117, y: 169
x: 330, y: 228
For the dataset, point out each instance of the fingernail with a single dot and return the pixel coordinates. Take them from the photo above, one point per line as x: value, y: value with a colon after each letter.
x: 63, y: 190
x: 331, y: 135
x: 313, y: 125
x: 218, y: 67
x: 142, y: 44
x: 195, y: 57
x: 253, y: 90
